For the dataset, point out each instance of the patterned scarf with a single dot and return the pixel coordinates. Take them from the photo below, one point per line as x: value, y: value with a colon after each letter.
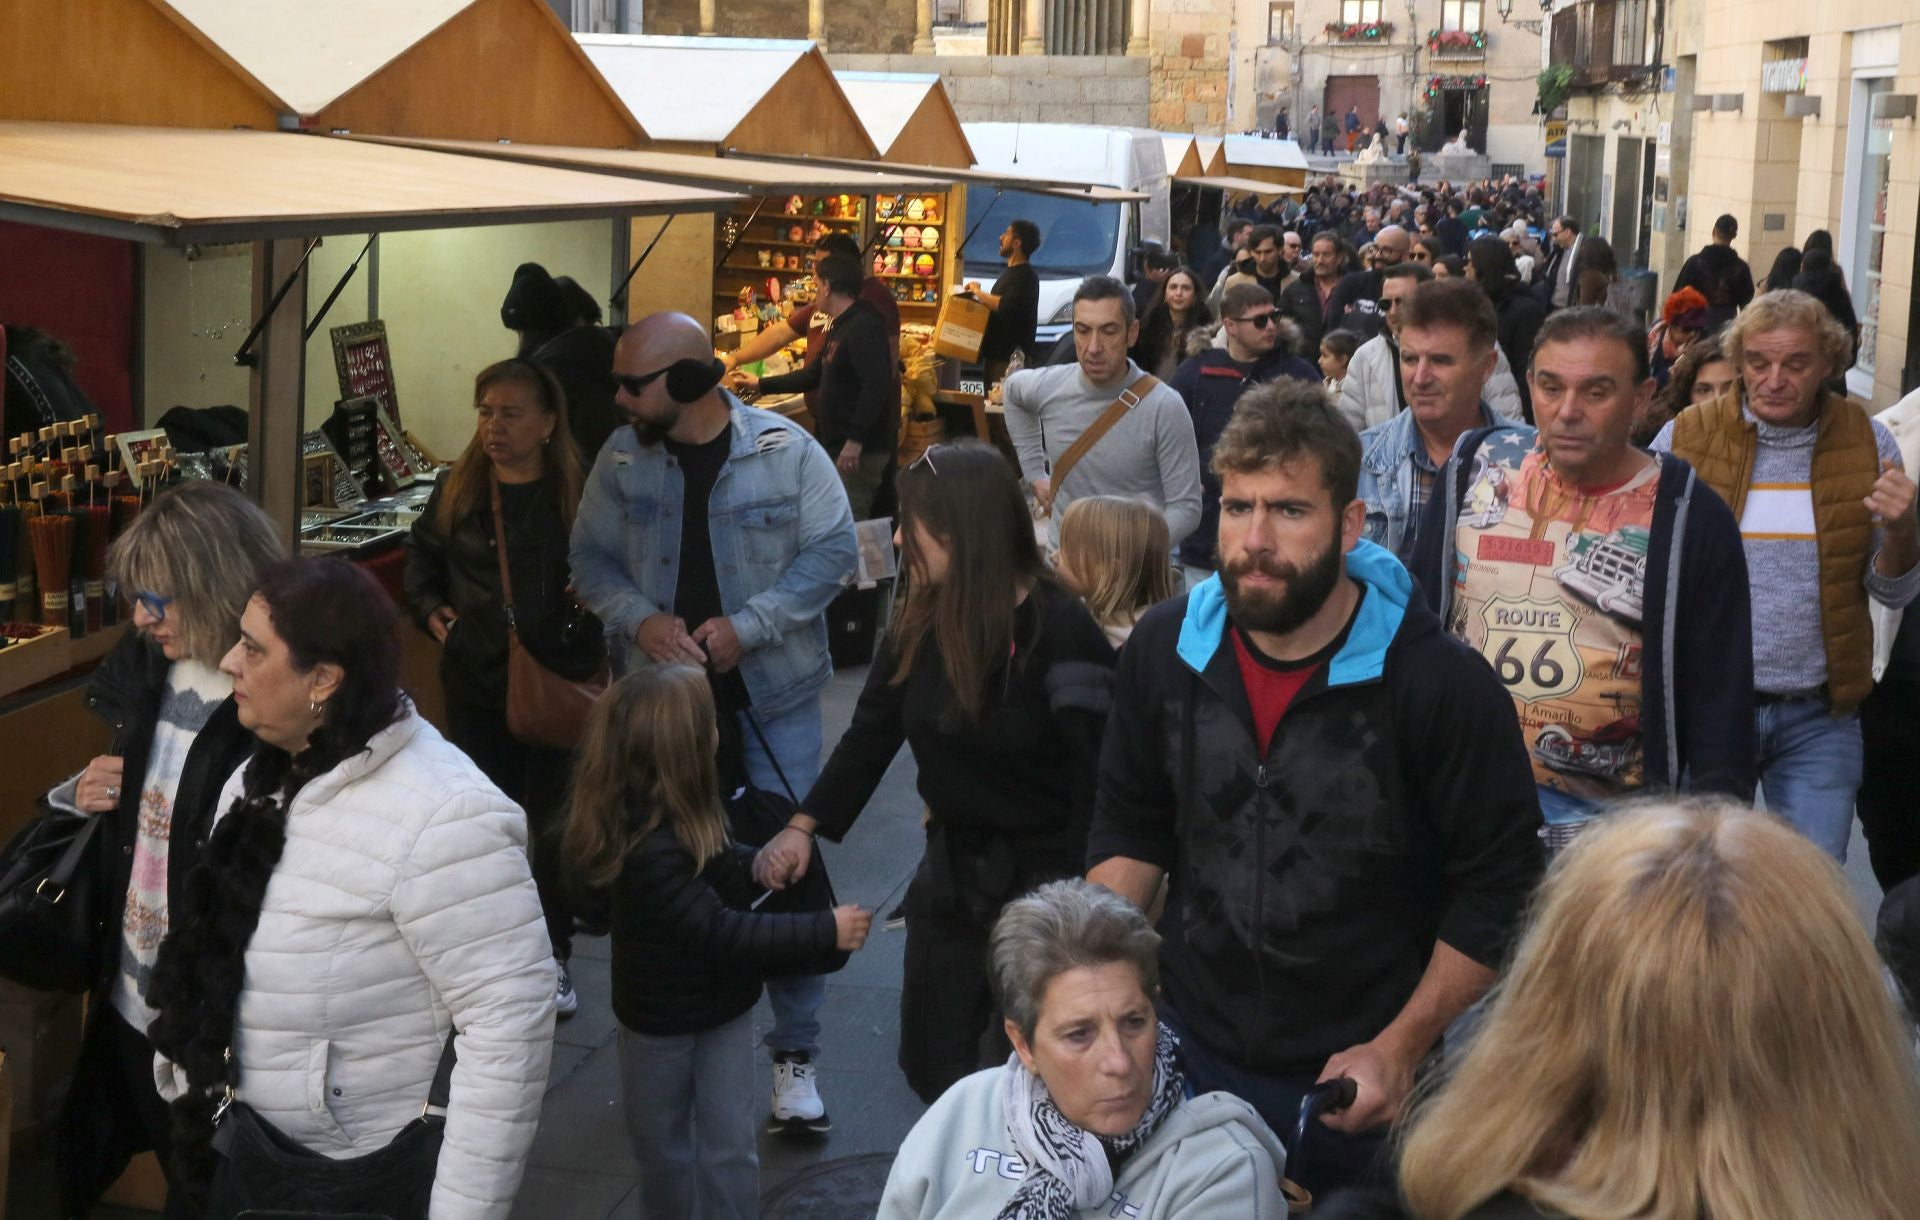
x: 1069, y: 1168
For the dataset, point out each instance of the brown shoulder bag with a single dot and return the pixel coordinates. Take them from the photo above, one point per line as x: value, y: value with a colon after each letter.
x: 543, y: 708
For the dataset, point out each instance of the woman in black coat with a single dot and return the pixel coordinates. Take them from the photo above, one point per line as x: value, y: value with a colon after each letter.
x: 1821, y: 279
x: 1490, y: 264
x: 186, y: 564
x: 520, y: 450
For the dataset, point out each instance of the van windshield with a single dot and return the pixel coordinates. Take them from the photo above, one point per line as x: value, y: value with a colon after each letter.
x: 1077, y: 237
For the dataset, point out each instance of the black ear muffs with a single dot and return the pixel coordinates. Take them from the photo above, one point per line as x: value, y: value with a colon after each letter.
x: 691, y: 380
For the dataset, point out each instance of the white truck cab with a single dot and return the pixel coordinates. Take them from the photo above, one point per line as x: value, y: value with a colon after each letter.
x: 1078, y: 238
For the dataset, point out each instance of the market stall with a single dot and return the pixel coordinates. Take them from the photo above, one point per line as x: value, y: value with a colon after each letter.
x: 1279, y: 162
x: 1183, y: 155
x: 909, y: 117
x: 178, y: 188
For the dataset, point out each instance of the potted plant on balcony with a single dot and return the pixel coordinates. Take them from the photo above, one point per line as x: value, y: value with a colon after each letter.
x: 1456, y: 42
x: 1366, y: 31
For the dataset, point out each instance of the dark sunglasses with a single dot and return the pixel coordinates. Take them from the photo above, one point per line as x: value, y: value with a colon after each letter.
x: 633, y: 385
x: 1259, y: 321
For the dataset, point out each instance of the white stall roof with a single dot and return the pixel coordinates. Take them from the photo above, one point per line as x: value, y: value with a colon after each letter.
x: 692, y: 90
x: 1268, y: 154
x: 886, y: 101
x: 1182, y: 157
x: 310, y: 53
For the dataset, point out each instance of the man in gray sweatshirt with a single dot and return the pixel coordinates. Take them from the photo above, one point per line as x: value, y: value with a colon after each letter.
x: 1149, y: 455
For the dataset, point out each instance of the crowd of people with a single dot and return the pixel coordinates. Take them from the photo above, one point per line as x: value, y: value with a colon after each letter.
x: 1368, y: 643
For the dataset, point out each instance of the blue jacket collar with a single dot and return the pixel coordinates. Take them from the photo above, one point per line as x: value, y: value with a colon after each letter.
x: 1389, y: 444
x: 1361, y: 659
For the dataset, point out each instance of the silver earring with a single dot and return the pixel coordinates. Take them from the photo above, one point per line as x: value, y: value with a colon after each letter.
x: 313, y: 709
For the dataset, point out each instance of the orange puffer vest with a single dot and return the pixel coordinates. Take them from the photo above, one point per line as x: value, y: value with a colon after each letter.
x: 1720, y: 443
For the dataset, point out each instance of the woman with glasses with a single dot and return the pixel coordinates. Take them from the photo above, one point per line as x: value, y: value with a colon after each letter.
x: 519, y: 479
x: 997, y: 679
x: 186, y: 565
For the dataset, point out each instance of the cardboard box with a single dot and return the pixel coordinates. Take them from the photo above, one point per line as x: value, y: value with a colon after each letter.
x: 962, y: 328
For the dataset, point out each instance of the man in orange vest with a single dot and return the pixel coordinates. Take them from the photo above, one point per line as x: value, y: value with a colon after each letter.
x: 1827, y: 521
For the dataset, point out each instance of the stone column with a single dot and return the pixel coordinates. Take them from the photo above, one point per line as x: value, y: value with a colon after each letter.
x: 1137, y: 41
x: 706, y: 18
x: 816, y: 22
x: 1033, y: 38
x: 923, y: 27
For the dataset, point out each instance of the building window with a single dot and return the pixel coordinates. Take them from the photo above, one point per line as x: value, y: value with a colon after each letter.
x: 1630, y: 33
x: 1280, y: 22
x: 1868, y: 169
x: 1359, y: 12
x: 1461, y: 15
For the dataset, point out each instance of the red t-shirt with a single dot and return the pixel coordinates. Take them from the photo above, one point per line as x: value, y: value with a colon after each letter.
x: 1272, y: 685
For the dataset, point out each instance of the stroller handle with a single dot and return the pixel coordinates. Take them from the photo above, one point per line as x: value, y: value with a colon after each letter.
x: 1327, y: 1097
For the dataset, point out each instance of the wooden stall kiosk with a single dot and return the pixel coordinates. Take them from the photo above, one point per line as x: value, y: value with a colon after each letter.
x: 1279, y: 162
x: 277, y: 193
x: 1182, y: 155
x: 908, y: 116
x: 701, y: 96
x: 1212, y: 153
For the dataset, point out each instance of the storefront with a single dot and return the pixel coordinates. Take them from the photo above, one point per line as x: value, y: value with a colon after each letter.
x: 1862, y: 232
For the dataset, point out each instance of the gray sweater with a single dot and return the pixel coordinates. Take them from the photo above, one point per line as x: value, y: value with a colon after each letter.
x: 1783, y: 558
x: 1150, y: 455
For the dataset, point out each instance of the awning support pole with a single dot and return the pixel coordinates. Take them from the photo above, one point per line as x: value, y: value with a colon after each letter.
x: 276, y: 387
x: 618, y: 298
x: 759, y: 203
x: 245, y: 357
x: 321, y: 315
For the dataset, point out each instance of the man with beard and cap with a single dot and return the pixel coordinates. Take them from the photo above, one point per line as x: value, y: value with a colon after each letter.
x: 548, y: 316
x: 715, y: 534
x: 1334, y: 789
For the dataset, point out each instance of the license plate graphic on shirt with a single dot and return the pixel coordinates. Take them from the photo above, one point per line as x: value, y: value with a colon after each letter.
x: 1530, y: 646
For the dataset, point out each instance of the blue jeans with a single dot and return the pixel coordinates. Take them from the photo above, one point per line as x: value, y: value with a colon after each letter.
x: 1333, y: 1159
x: 795, y: 739
x: 1810, y: 763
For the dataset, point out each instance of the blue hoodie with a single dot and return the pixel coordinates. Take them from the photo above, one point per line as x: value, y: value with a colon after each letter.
x: 1309, y: 881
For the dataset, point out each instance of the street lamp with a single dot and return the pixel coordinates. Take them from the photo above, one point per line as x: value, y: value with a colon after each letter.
x: 1505, y: 9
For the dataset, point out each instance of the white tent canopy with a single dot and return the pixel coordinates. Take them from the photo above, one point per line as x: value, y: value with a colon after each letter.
x: 692, y: 90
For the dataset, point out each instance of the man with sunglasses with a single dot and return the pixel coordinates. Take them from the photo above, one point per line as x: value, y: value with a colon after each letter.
x: 1259, y: 348
x: 1373, y: 392
x: 714, y: 534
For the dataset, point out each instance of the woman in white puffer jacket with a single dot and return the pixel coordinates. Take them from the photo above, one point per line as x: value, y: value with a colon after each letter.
x: 365, y: 891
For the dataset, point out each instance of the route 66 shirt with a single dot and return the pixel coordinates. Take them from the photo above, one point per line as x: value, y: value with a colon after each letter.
x: 1550, y: 590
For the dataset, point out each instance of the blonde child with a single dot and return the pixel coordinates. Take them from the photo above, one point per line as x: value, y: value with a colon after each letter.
x: 1114, y: 554
x: 648, y: 831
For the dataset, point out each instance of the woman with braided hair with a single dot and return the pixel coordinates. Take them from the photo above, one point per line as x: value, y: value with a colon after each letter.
x: 364, y: 892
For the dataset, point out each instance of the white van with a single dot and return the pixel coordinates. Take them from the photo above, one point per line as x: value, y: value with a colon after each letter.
x: 1078, y: 238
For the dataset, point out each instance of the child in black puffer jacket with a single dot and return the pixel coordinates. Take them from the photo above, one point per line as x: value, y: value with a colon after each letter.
x: 647, y: 829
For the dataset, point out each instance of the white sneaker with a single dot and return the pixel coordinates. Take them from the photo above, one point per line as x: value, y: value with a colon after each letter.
x: 566, y: 1001
x: 797, y: 1107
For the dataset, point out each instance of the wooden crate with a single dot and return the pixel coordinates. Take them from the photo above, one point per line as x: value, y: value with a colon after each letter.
x: 34, y: 661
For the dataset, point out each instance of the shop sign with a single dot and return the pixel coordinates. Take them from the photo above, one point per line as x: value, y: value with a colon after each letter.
x: 1556, y: 137
x: 1784, y: 76
x: 1666, y: 80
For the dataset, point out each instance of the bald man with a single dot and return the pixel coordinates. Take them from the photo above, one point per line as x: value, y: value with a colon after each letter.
x: 1355, y: 304
x: 715, y: 534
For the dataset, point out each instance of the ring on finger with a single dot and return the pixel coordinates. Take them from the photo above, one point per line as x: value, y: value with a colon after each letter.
x: 113, y: 794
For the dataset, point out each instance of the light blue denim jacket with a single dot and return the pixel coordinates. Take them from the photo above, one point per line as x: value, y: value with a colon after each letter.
x: 783, y: 547
x: 1386, y: 474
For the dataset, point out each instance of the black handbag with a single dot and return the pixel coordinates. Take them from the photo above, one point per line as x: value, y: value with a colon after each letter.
x: 754, y: 819
x: 46, y: 904
x: 265, y: 1171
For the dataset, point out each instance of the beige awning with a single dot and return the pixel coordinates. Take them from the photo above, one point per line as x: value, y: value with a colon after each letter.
x: 981, y: 177
x: 742, y: 175
x: 1241, y: 186
x: 176, y: 185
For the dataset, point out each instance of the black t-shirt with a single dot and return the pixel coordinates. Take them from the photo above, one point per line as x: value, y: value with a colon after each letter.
x: 697, y: 596
x: 1011, y: 327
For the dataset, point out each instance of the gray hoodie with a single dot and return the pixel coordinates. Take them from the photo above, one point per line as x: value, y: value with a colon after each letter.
x: 1213, y: 1157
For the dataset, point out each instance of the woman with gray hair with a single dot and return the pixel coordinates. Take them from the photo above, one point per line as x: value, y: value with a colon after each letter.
x: 186, y: 566
x: 1089, y: 1116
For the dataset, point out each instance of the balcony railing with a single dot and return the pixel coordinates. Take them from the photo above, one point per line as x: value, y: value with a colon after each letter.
x: 1360, y: 31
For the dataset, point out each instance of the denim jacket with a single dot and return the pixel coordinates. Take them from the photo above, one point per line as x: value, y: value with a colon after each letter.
x: 783, y: 547
x: 1386, y: 475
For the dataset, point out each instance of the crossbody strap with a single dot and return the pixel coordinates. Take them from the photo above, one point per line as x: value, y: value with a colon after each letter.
x: 1128, y: 400
x: 500, y: 549
x: 441, y: 1092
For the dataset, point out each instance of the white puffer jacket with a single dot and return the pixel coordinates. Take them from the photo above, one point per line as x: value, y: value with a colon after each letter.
x: 402, y: 906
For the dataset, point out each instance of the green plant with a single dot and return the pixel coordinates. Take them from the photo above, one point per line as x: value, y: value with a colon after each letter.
x: 1556, y: 86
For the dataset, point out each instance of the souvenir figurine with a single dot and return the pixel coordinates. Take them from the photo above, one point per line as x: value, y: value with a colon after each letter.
x: 794, y: 205
x: 917, y: 210
x: 765, y: 257
x: 884, y: 206
x: 912, y: 238
x: 923, y: 265
x: 929, y: 238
